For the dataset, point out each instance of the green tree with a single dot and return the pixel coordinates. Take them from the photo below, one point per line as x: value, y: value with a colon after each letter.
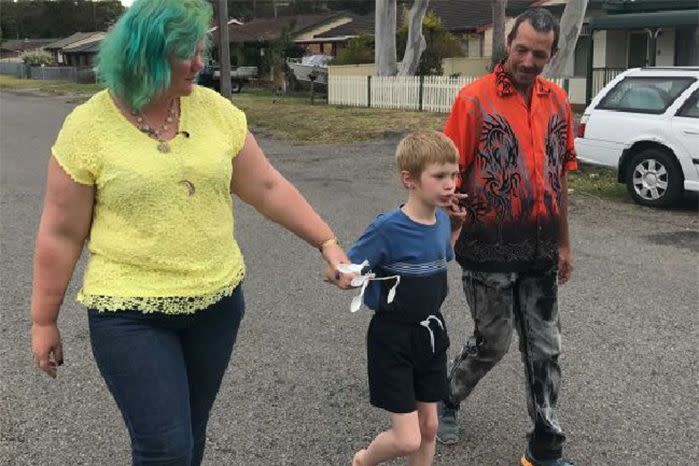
x: 56, y: 19
x: 440, y: 44
x: 358, y: 50
x: 279, y: 50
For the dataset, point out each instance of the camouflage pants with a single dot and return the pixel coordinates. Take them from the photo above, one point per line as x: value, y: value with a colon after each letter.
x: 500, y: 303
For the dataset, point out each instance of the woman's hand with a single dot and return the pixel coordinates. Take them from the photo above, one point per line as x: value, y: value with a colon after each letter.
x: 47, y: 348
x: 334, y: 255
x: 65, y: 224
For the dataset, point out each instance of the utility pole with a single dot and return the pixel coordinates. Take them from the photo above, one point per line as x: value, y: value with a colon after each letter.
x: 224, y: 53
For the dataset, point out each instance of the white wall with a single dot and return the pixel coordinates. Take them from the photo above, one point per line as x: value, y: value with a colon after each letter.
x: 488, y: 37
x: 599, y: 58
x: 465, y: 66
x: 665, y: 48
x: 576, y: 90
x: 617, y: 49
x: 367, y: 69
x: 474, y: 45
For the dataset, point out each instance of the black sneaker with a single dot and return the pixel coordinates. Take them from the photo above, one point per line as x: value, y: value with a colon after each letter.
x: 528, y: 460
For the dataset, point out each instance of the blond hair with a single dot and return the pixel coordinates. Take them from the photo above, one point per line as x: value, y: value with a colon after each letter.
x: 421, y: 148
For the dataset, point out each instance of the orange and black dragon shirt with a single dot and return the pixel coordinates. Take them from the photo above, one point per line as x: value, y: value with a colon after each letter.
x: 512, y: 160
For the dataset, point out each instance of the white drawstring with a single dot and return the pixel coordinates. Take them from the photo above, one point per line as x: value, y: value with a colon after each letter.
x: 363, y: 281
x: 426, y: 323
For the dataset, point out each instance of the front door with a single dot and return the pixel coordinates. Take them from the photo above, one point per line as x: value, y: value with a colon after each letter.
x: 638, y: 49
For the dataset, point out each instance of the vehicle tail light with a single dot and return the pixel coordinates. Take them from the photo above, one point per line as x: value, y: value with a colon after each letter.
x: 581, y: 127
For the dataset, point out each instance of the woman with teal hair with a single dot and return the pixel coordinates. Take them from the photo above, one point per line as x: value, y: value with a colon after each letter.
x: 145, y: 170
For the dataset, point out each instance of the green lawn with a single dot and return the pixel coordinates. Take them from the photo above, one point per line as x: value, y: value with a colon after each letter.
x: 597, y: 181
x: 47, y: 87
x: 293, y: 118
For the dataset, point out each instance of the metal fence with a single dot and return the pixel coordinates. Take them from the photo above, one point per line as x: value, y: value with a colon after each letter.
x: 602, y: 76
x: 19, y: 70
x: 61, y: 73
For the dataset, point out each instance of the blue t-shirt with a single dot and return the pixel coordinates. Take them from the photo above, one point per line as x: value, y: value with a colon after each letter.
x: 396, y: 245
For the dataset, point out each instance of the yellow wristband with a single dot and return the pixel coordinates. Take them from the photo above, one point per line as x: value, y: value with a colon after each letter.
x: 327, y: 243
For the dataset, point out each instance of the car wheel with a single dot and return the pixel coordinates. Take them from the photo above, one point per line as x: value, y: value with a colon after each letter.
x: 236, y: 86
x: 654, y: 178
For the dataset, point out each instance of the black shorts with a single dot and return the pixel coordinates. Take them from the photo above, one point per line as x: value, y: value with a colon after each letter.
x: 403, y: 368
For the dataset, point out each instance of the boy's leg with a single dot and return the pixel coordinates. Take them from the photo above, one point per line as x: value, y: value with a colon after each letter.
x: 402, y: 439
x: 536, y: 313
x: 427, y: 417
x: 207, y: 346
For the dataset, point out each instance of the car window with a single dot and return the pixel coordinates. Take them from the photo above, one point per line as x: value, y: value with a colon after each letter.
x: 644, y: 94
x: 691, y: 106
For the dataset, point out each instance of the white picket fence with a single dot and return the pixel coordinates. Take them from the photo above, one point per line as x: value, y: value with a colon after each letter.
x: 439, y: 92
x: 352, y: 91
x: 430, y: 93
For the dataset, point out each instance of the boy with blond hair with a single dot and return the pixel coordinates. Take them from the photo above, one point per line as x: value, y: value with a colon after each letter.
x: 408, y: 249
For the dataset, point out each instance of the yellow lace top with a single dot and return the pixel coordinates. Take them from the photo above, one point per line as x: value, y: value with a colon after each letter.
x: 154, y: 245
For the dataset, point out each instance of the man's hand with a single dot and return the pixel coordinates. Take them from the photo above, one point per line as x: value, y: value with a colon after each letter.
x: 565, y: 265
x: 457, y: 210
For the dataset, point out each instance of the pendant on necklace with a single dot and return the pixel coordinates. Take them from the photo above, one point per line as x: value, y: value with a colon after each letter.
x: 189, y: 185
x: 164, y: 147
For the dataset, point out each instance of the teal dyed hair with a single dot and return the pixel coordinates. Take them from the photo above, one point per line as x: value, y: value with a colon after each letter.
x: 134, y: 58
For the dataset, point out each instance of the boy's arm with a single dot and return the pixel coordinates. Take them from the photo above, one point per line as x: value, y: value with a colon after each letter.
x: 370, y: 246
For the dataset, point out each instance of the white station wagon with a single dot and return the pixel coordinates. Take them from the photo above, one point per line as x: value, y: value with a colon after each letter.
x: 645, y: 124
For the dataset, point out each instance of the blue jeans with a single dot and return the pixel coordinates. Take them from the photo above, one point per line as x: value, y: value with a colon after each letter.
x: 164, y: 372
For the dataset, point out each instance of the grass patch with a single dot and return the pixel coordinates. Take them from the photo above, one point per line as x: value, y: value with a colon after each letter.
x: 294, y: 118
x: 598, y: 181
x: 47, y: 87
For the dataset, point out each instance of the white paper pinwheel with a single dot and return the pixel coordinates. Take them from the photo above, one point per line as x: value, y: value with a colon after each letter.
x: 363, y: 281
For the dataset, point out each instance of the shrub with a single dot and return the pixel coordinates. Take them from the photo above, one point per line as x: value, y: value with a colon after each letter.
x: 37, y: 58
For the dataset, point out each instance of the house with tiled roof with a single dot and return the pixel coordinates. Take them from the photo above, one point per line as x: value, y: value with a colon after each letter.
x: 58, y: 47
x: 82, y: 53
x: 252, y: 40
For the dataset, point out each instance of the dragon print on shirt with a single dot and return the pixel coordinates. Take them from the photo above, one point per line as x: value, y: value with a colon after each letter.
x: 556, y: 141
x: 498, y: 159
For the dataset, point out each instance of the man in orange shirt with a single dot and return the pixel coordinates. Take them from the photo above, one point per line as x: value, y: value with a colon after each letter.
x: 514, y: 132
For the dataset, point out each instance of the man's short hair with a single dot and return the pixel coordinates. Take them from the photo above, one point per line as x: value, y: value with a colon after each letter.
x: 421, y: 148
x: 541, y: 20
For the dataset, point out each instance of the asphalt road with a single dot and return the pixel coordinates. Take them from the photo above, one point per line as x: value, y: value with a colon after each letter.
x: 296, y: 390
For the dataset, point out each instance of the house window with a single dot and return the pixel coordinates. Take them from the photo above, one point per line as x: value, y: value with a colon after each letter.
x: 472, y: 45
x: 582, y: 52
